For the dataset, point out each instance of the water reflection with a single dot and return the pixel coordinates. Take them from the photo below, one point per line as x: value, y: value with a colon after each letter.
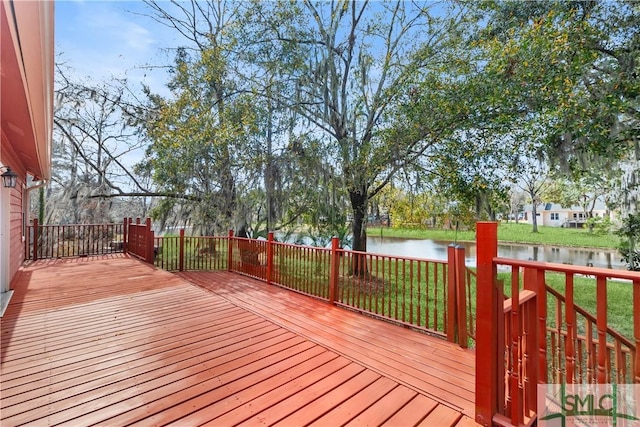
x: 431, y: 249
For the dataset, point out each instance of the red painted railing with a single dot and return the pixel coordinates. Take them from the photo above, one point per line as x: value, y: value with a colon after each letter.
x: 410, y: 291
x: 303, y: 269
x: 140, y: 239
x: 248, y: 257
x: 543, y: 336
x: 179, y: 253
x: 73, y: 240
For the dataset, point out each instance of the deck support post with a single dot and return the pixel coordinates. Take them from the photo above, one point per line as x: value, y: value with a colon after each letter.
x: 269, y: 256
x: 149, y: 237
x: 230, y: 251
x: 451, y: 293
x: 335, y: 268
x: 181, y: 251
x: 488, y: 355
x: 636, y: 330
x: 461, y: 297
x: 125, y: 236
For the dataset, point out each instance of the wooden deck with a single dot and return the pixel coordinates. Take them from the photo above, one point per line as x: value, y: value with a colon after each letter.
x: 113, y: 341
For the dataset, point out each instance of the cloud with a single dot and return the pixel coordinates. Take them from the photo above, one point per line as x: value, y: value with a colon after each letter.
x: 118, y: 26
x: 104, y: 39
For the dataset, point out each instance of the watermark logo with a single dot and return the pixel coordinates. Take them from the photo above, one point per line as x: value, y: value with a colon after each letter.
x: 566, y: 405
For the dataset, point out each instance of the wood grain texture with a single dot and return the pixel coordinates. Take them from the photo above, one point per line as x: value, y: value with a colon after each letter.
x: 110, y: 340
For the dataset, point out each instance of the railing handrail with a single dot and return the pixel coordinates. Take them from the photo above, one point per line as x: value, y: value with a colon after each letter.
x: 298, y: 245
x: 76, y: 224
x: 615, y: 334
x: 569, y: 268
x: 437, y: 261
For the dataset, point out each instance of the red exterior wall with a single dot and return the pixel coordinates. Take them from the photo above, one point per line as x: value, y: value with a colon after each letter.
x: 16, y: 207
x: 16, y: 244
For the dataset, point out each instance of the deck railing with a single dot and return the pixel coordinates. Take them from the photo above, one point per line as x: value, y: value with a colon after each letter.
x: 410, y: 291
x: 423, y: 294
x: 543, y: 336
x: 528, y: 326
x: 140, y: 239
x: 73, y: 240
x: 180, y: 253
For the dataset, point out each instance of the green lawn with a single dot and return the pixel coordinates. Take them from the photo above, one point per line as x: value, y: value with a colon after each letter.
x: 512, y: 233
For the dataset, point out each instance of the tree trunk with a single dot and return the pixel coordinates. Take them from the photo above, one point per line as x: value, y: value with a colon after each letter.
x: 534, y: 217
x: 359, y: 201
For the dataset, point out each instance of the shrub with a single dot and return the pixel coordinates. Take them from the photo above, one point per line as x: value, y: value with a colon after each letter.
x: 629, y: 247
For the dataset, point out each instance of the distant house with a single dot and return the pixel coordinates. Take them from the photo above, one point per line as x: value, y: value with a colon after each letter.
x: 555, y: 215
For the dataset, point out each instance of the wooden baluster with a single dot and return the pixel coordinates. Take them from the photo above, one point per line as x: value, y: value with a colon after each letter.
x: 269, y: 257
x: 589, y: 349
x: 515, y: 411
x: 419, y: 275
x: 451, y: 292
x: 181, y: 249
x: 411, y: 293
x: 460, y: 297
x: 230, y: 251
x: 437, y: 283
x: 542, y: 326
x: 404, y: 290
x: 427, y: 295
x: 470, y: 311
x: 36, y: 233
x: 570, y: 319
x: 580, y: 374
x: 559, y: 372
x: 531, y: 376
x: 601, y: 323
x: 635, y: 363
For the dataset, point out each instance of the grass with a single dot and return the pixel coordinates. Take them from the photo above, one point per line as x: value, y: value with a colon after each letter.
x: 395, y: 285
x: 510, y: 233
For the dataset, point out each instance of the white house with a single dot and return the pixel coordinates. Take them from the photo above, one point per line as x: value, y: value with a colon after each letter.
x: 555, y: 215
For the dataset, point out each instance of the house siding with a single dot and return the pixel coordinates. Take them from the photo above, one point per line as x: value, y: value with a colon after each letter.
x: 16, y: 208
x: 16, y: 243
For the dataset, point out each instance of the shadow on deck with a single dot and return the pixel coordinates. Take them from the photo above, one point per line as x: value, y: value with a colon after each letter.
x: 113, y: 341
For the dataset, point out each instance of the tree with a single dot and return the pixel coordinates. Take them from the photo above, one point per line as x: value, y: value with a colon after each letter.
x: 569, y: 68
x: 215, y: 139
x: 533, y: 179
x: 351, y: 65
x: 629, y: 246
x: 95, y: 130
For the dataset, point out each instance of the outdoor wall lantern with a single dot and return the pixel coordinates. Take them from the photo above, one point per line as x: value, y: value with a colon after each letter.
x: 9, y: 178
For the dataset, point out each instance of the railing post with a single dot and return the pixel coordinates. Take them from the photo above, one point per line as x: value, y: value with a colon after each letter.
x: 636, y: 330
x: 269, y: 256
x: 451, y: 293
x: 35, y: 239
x: 488, y: 355
x: 601, y: 323
x: 181, y: 251
x: 461, y: 293
x: 125, y: 231
x: 335, y: 268
x: 535, y: 337
x: 148, y: 241
x: 151, y: 252
x: 230, y: 251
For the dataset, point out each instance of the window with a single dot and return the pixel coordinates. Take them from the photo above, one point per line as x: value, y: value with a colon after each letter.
x: 555, y: 216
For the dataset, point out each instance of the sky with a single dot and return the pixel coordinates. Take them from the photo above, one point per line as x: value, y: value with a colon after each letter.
x: 100, y: 39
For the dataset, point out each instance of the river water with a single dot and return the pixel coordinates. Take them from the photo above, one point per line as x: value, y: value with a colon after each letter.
x: 437, y: 250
